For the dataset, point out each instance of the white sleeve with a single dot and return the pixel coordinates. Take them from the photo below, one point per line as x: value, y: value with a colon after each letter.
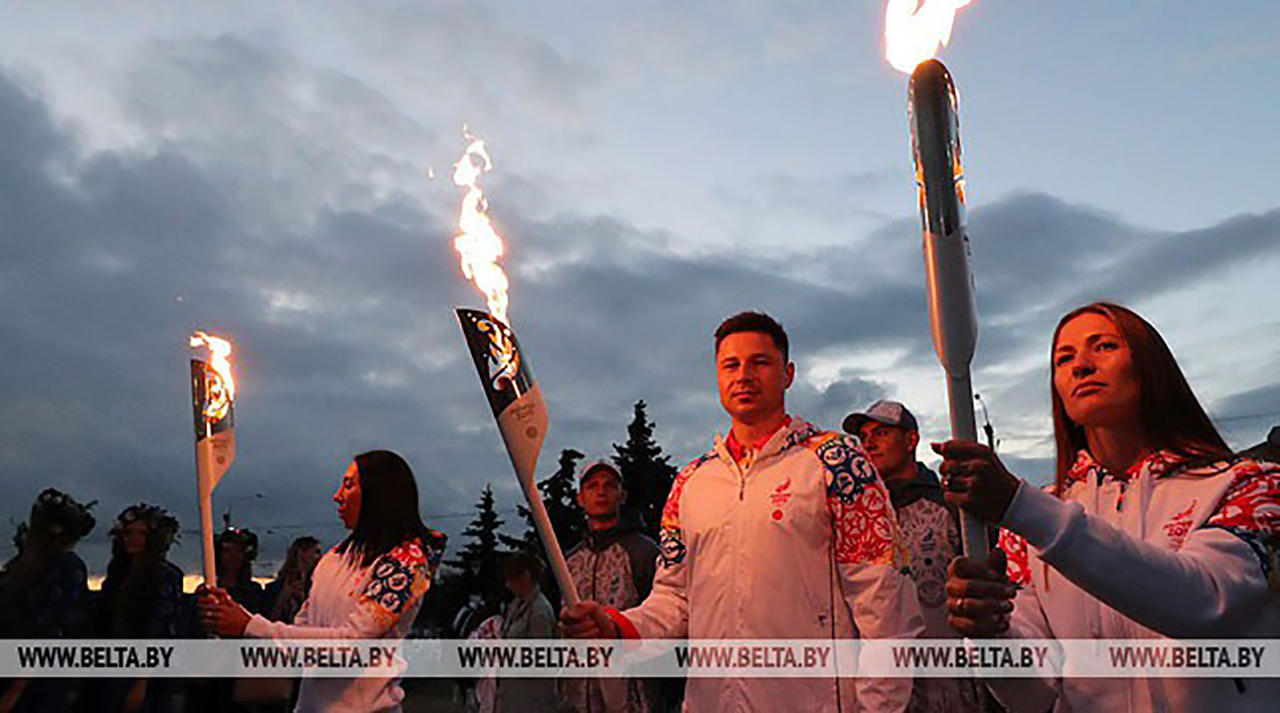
x: 664, y: 614
x: 400, y: 579
x: 870, y: 559
x: 1219, y: 574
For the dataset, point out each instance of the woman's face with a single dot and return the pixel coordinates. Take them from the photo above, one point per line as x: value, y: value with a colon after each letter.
x: 232, y: 555
x: 1093, y: 373
x: 348, y: 497
x: 134, y: 538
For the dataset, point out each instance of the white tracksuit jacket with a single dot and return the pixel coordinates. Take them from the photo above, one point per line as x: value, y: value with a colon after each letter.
x: 1176, y: 551
x: 786, y: 546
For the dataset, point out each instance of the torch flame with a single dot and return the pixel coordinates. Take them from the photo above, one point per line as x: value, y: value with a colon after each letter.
x: 222, y: 388
x: 914, y: 30
x: 477, y: 243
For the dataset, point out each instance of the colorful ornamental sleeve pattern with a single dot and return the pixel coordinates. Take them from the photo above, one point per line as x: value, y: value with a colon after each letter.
x: 672, y: 548
x: 400, y: 578
x: 1251, y: 510
x: 865, y: 528
x: 1018, y: 562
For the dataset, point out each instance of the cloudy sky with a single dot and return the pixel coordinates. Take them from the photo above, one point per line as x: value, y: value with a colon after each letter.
x: 263, y: 172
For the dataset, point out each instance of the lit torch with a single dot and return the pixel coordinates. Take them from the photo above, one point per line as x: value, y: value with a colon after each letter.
x: 513, y: 395
x: 914, y: 31
x: 213, y: 396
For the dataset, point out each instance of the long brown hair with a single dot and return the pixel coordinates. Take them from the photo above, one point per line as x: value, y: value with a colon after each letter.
x: 1171, y: 417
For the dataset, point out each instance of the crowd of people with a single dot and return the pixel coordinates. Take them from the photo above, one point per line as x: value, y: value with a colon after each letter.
x: 1152, y: 528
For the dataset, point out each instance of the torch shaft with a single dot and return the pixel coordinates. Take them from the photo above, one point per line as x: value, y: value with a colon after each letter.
x: 550, y: 543
x: 973, y: 533
x: 206, y: 539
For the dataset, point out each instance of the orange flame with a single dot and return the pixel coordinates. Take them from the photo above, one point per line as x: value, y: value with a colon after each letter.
x: 477, y: 243
x: 914, y: 30
x: 222, y: 389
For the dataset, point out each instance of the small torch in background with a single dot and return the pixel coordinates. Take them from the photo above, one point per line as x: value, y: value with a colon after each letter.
x: 913, y: 33
x: 213, y: 394
x: 513, y: 395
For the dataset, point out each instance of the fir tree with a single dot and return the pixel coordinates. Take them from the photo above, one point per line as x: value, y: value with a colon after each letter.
x: 480, y: 560
x: 646, y: 472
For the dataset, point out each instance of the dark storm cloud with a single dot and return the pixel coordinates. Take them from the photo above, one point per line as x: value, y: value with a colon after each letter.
x: 267, y: 204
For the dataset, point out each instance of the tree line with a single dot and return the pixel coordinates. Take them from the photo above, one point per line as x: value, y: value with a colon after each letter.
x: 474, y: 575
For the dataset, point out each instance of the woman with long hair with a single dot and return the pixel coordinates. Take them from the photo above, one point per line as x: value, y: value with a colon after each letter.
x: 44, y: 592
x: 1153, y: 528
x: 370, y: 586
x: 141, y: 599
x: 284, y: 595
x: 235, y: 549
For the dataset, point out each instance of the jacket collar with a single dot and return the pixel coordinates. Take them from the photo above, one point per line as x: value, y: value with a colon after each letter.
x: 793, y: 432
x: 1155, y: 465
x: 925, y: 485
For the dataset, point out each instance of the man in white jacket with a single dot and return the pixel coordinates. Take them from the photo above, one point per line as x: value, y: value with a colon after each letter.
x: 781, y: 531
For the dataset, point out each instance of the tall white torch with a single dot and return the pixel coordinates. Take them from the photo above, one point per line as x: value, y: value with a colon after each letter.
x: 513, y: 395
x: 913, y: 33
x: 213, y: 394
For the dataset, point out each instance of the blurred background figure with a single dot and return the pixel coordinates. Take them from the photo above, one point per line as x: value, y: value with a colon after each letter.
x: 141, y: 599
x: 44, y: 592
x: 236, y: 549
x: 528, y: 616
x: 284, y: 595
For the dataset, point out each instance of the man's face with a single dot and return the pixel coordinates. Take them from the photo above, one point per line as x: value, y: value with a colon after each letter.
x: 752, y: 376
x: 601, y: 495
x: 891, y: 448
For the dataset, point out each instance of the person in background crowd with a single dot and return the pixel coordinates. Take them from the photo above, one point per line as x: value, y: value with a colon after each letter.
x: 528, y: 616
x: 370, y: 586
x: 141, y: 599
x: 284, y: 595
x: 931, y: 530
x: 44, y: 592
x: 781, y: 531
x: 612, y: 565
x: 235, y: 551
x: 481, y: 695
x: 1153, y: 528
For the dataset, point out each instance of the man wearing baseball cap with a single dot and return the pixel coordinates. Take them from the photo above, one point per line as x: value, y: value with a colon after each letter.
x: 931, y: 530
x: 612, y: 565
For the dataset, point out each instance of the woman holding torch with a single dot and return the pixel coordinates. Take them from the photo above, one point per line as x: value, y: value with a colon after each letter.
x: 370, y: 586
x: 1153, y: 528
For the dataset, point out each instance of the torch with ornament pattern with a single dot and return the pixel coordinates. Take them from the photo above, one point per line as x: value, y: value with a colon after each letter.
x: 213, y: 394
x: 512, y: 394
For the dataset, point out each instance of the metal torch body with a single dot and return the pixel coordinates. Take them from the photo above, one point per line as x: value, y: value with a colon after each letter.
x: 953, y: 321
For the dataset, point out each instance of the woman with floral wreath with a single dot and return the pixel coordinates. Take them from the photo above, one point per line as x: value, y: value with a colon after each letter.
x: 141, y: 599
x: 44, y: 592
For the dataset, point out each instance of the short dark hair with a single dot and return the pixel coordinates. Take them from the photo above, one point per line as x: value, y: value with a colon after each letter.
x: 523, y: 562
x: 755, y: 322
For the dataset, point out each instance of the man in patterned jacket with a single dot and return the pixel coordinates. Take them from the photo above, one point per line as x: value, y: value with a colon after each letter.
x: 612, y: 565
x: 781, y: 531
x: 931, y: 530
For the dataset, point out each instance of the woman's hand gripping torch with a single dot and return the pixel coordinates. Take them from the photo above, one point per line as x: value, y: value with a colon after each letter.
x: 517, y: 404
x: 953, y: 320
